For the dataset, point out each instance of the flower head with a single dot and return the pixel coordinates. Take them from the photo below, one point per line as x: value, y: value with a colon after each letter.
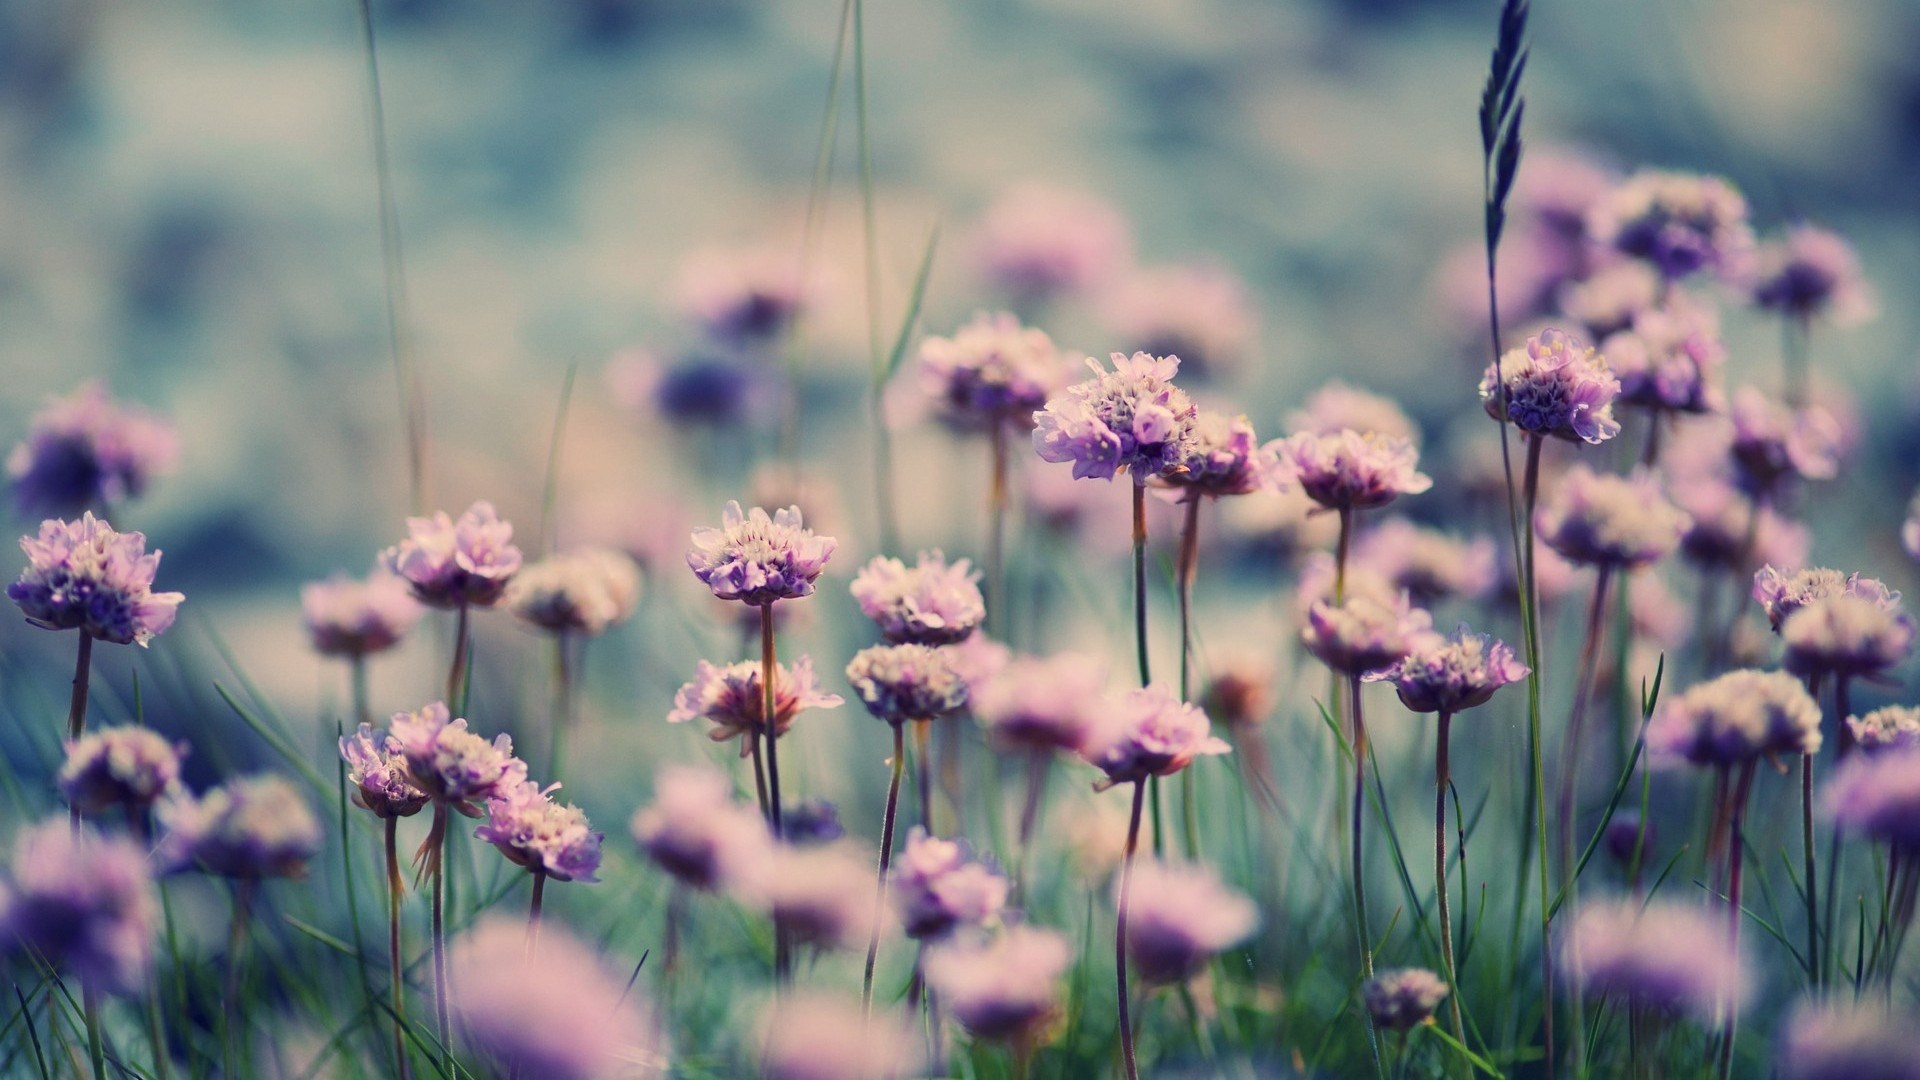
x: 1453, y: 673
x: 1846, y: 635
x: 932, y: 602
x: 1201, y: 313
x: 249, y: 828
x: 1774, y: 443
x: 1669, y: 358
x: 1737, y: 717
x: 1910, y: 528
x: 1680, y: 222
x: 696, y: 831
x: 1611, y: 298
x: 1240, y: 692
x: 1722, y: 515
x: 992, y: 371
x: 1179, y: 917
x: 1554, y: 386
x: 1366, y: 633
x: 811, y: 1036
x: 83, y: 575
x: 1223, y: 458
x: 1428, y: 564
x: 1616, y: 521
x: 555, y: 1012
x: 88, y: 451
x: 1049, y: 703
x: 1005, y: 989
x: 1337, y: 407
x: 1812, y: 272
x: 1037, y: 242
x: 451, y: 763
x: 1131, y: 419
x: 127, y: 767
x: 448, y: 563
x: 1886, y: 729
x: 1404, y: 998
x: 1668, y: 956
x: 937, y: 888
x: 1148, y: 732
x: 83, y: 903
x: 700, y: 387
x: 1347, y: 469
x: 378, y: 771
x: 731, y: 699
x: 534, y: 831
x: 898, y: 683
x: 757, y: 559
x: 1848, y: 1042
x: 1877, y: 796
x: 1781, y: 594
x: 583, y: 592
x: 346, y: 617
x: 742, y: 297
x: 811, y: 822
x: 805, y: 890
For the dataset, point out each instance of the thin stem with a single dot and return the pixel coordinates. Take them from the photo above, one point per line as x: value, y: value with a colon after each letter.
x: 1185, y: 569
x: 997, y: 531
x: 77, y: 705
x: 396, y: 890
x: 1039, y: 764
x: 1140, y: 582
x: 1735, y: 863
x: 457, y: 672
x: 1843, y: 708
x: 236, y: 955
x: 769, y: 718
x: 1120, y: 931
x: 1359, y: 741
x: 436, y: 862
x: 923, y: 770
x: 886, y: 859
x: 1442, y: 777
x: 1809, y: 870
x: 759, y: 776
x: 96, y: 1044
x: 1340, y: 550
x: 533, y: 911
x: 562, y: 701
x: 1576, y: 725
x: 1529, y: 607
x: 362, y: 708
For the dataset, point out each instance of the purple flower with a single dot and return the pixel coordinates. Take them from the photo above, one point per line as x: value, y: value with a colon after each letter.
x: 1223, y: 458
x: 1666, y: 955
x: 811, y: 1036
x: 1611, y: 298
x: 584, y: 592
x: 1773, y: 443
x: 992, y: 371
x: 1781, y: 594
x: 127, y: 767
x: 81, y: 902
x: 930, y: 603
x: 249, y: 828
x: 1846, y: 635
x: 1037, y: 242
x: 698, y: 388
x: 1006, y: 989
x: 757, y: 559
x: 1404, y: 998
x: 1453, y: 673
x: 83, y: 575
x: 378, y: 771
x: 1179, y: 917
x: 1554, y: 386
x: 448, y: 563
x: 1722, y: 516
x: 1910, y: 529
x: 1280, y: 525
x: 1559, y: 186
x: 1201, y: 313
x: 1738, y: 717
x: 1669, y: 358
x: 696, y: 831
x: 1042, y: 704
x: 1812, y: 272
x: 806, y: 891
x: 1679, y: 222
x: 451, y: 763
x: 352, y: 618
x: 1131, y: 419
x: 731, y: 699
x: 1877, y: 796
x: 1428, y: 564
x: 537, y: 833
x: 555, y: 1011
x: 1599, y: 519
x: 742, y: 297
x: 811, y: 822
x: 1848, y: 1042
x: 898, y: 683
x: 1886, y: 729
x: 1337, y: 407
x: 88, y: 451
x: 1366, y: 633
x: 1240, y: 692
x: 1347, y: 469
x: 1148, y: 732
x: 937, y: 888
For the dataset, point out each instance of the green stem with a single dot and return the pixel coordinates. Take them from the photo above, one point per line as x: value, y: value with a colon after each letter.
x: 1120, y: 932
x: 1361, y: 925
x: 457, y: 671
x: 77, y: 705
x: 442, y: 1007
x: 1186, y: 567
x: 396, y: 891
x: 886, y: 858
x: 1735, y: 863
x: 1530, y: 614
x: 1442, y: 777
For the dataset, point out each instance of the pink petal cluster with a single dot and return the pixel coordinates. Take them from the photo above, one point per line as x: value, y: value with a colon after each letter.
x: 247, y: 829
x: 82, y: 575
x: 582, y: 592
x: 86, y: 451
x: 383, y: 784
x: 449, y: 563
x: 696, y: 831
x: 730, y: 698
x: 1737, y: 717
x: 1148, y: 732
x: 348, y: 617
x: 932, y: 602
x: 1179, y: 917
x: 124, y: 767
x: 1004, y: 989
x: 938, y: 888
x: 1042, y: 703
x: 1347, y: 469
x: 532, y: 830
x: 1131, y: 419
x: 451, y: 763
x: 757, y: 559
x: 992, y: 371
x: 1554, y: 386
x: 1599, y: 519
x: 1452, y: 673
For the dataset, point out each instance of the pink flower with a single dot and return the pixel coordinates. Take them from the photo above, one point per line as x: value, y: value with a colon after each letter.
x: 1554, y: 386
x: 992, y: 370
x: 1037, y: 242
x: 1148, y: 732
x: 346, y: 617
x: 1347, y: 469
x: 1006, y: 989
x: 450, y: 563
x: 757, y: 559
x: 731, y: 699
x: 1182, y: 916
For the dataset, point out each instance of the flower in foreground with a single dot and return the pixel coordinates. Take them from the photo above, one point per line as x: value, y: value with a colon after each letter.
x: 450, y: 563
x: 1149, y: 732
x: 583, y: 592
x: 814, y: 1036
x: 937, y: 887
x: 1666, y: 956
x: 899, y: 683
x: 731, y: 700
x: 1366, y: 633
x: 1781, y: 594
x: 696, y: 831
x: 83, y: 575
x: 126, y: 767
x: 932, y: 602
x: 1131, y: 419
x: 1402, y: 999
x: 1452, y: 673
x: 1848, y: 1042
x: 1877, y: 796
x: 1738, y: 717
x: 1223, y: 458
x: 1042, y: 703
x: 85, y: 451
x: 1347, y: 469
x: 992, y: 371
x: 1889, y: 728
x: 1555, y: 387
x: 807, y: 892
x: 81, y: 902
x: 757, y: 559
x: 451, y: 763
x: 1846, y: 635
x: 383, y: 784
x: 353, y: 618
x: 1599, y: 519
x: 546, y: 837
x: 1180, y: 917
x: 1006, y: 989
x: 248, y: 829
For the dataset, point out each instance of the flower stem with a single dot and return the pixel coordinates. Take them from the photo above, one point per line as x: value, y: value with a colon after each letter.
x: 1576, y: 727
x: 1039, y: 764
x: 1185, y: 568
x: 997, y: 532
x: 1442, y: 777
x: 96, y: 1045
x: 1735, y: 862
x: 923, y: 770
x: 396, y: 889
x: 357, y: 670
x: 1362, y: 930
x: 886, y: 859
x: 562, y: 701
x: 457, y: 673
x: 442, y: 1007
x: 236, y: 954
x: 1140, y: 633
x: 1529, y: 606
x: 1120, y: 931
x: 759, y: 777
x: 77, y: 706
x: 769, y: 717
x: 534, y: 909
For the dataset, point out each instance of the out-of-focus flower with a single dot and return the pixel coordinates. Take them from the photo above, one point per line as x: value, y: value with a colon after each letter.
x: 583, y: 592
x: 1240, y: 692
x: 1781, y: 594
x: 1042, y: 703
x: 127, y: 767
x: 1131, y: 419
x: 1558, y: 187
x: 992, y: 371
x: 898, y: 683
x: 806, y: 892
x: 448, y: 563
x: 1148, y: 732
x: 1680, y: 222
x: 1202, y: 314
x: 1737, y: 717
x: 249, y: 828
x: 932, y: 602
x: 745, y: 297
x: 1722, y: 516
x: 87, y: 451
x: 1452, y: 673
x: 812, y: 1036
x: 978, y: 660
x: 1624, y: 835
x: 730, y: 698
x: 698, y: 388
x: 1348, y: 469
x: 82, y: 903
x: 1223, y: 458
x: 1910, y: 529
x: 1846, y: 635
x: 1280, y: 523
x: 1600, y: 519
x: 1773, y: 443
x: 555, y: 1011
x: 1179, y: 917
x: 1338, y: 407
x: 1428, y: 564
x: 757, y: 559
x: 937, y: 888
x: 1006, y: 989
x: 451, y: 763
x: 1877, y: 796
x: 1669, y: 357
x: 1812, y: 272
x: 696, y: 831
x: 533, y: 831
x: 1886, y: 729
x: 82, y: 575
x: 1366, y: 632
x: 1554, y: 386
x: 1666, y: 955
x: 1848, y: 1042
x: 1611, y: 298
x: 810, y: 823
x: 1036, y: 242
x: 346, y: 617
x: 378, y: 771
x: 1404, y: 998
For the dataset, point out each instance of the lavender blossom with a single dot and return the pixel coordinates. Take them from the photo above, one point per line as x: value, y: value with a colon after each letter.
x: 696, y: 831
x: 87, y: 451
x: 352, y: 618
x: 1781, y: 594
x: 1669, y: 358
x: 1428, y: 564
x: 1722, y: 516
x: 1180, y: 917
x: 82, y: 575
x: 533, y: 831
x: 1037, y: 242
x: 1337, y: 407
x: 1148, y: 732
x: 1599, y: 519
x: 937, y: 888
x: 1005, y: 990
x: 554, y: 1012
x: 1403, y: 998
x: 1679, y: 222
x: 1910, y: 529
x: 1774, y: 443
x: 1042, y: 704
x: 757, y: 559
x: 1664, y: 955
x: 1877, y: 796
x: 899, y: 683
x: 1611, y: 298
x: 449, y: 563
x: 1366, y: 633
x: 811, y: 1036
x: 1848, y: 1042
x: 745, y: 297
x: 451, y: 763
x: 1131, y: 419
x: 1886, y: 729
x: 82, y: 903
x: 699, y: 388
x: 1554, y: 386
x: 806, y: 892
x: 378, y: 770
x: 1202, y: 313
x: 1347, y: 469
x: 810, y: 823
x: 992, y: 371
x: 1240, y: 692
x: 1810, y: 273
x: 1738, y: 717
x: 1453, y: 673
x: 583, y: 592
x: 1846, y: 635
x: 731, y: 699
x: 1222, y: 459
x: 125, y: 767
x: 930, y: 603
x: 248, y: 829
